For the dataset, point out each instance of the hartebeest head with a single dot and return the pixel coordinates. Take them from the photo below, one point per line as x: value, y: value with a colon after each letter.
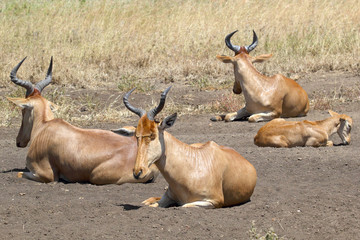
x: 241, y: 58
x: 32, y: 98
x: 149, y: 135
x: 343, y: 127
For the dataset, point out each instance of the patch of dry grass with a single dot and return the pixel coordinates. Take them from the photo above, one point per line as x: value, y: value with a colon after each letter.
x: 96, y: 43
x: 121, y: 44
x: 228, y: 102
x: 324, y: 101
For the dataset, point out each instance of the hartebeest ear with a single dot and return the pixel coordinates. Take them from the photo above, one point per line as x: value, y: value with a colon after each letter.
x: 168, y: 121
x: 261, y: 58
x: 21, y: 102
x: 332, y: 113
x: 127, y: 131
x: 225, y: 59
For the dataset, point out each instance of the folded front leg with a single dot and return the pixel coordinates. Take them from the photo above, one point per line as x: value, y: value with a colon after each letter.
x: 165, y: 201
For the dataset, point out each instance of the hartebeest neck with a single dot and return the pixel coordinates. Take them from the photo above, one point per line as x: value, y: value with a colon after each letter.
x: 41, y: 114
x: 177, y: 156
x: 247, y: 76
x: 330, y: 125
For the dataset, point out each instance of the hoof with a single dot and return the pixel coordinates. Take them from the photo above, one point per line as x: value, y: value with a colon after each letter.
x: 218, y: 118
x: 214, y: 119
x: 151, y: 180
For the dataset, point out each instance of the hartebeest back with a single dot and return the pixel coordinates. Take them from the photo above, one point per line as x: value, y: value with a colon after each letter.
x: 60, y: 150
x: 199, y: 175
x: 266, y: 97
x: 281, y: 133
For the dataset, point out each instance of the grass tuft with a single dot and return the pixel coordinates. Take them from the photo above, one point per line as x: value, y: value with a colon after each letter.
x: 229, y: 102
x: 269, y: 234
x: 324, y: 101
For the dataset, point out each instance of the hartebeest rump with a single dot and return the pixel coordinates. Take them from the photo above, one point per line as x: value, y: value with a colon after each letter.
x: 200, y: 175
x: 281, y: 133
x: 266, y: 97
x: 60, y: 150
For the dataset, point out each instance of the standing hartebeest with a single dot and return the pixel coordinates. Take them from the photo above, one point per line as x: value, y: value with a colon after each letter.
x: 60, y: 150
x: 266, y: 98
x: 281, y: 133
x: 200, y: 175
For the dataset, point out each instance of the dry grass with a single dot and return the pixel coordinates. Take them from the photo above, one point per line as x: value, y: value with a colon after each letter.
x: 120, y: 44
x: 96, y: 43
x: 325, y: 101
x: 229, y: 102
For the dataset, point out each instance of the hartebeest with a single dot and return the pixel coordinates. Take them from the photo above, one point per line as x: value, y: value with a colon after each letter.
x: 60, y: 150
x: 200, y: 175
x: 281, y: 133
x: 266, y: 97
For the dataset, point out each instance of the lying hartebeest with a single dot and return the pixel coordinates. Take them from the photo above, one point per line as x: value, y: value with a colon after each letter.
x: 200, y: 175
x: 281, y: 133
x: 266, y: 98
x: 60, y: 150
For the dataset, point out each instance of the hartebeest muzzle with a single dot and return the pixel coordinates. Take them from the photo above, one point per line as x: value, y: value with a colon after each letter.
x: 137, y: 175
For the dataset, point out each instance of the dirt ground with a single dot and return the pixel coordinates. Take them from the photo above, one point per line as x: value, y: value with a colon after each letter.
x: 302, y: 193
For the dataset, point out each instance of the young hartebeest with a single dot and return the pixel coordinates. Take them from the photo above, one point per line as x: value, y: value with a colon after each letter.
x: 266, y: 97
x: 200, y: 175
x: 60, y: 150
x: 281, y: 133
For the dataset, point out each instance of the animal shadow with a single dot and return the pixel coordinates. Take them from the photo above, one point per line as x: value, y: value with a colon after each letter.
x: 128, y: 207
x: 15, y: 170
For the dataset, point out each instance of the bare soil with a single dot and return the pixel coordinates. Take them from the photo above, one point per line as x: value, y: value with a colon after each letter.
x: 302, y: 193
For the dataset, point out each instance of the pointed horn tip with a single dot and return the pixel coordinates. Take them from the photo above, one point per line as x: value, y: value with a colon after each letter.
x: 168, y: 89
x: 19, y: 64
x: 127, y: 94
x: 231, y: 34
x: 165, y: 92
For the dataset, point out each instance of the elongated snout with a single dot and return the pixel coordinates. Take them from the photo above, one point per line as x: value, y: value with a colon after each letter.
x: 21, y: 144
x: 137, y: 173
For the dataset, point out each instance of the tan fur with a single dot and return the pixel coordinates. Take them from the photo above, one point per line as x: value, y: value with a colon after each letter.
x: 60, y: 150
x: 266, y: 97
x: 281, y: 133
x: 199, y: 175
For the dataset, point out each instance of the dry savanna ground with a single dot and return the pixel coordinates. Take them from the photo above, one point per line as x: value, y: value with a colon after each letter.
x: 103, y: 48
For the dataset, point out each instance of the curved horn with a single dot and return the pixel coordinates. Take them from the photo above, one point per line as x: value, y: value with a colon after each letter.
x: 152, y: 113
x: 41, y: 85
x: 25, y: 84
x: 137, y: 111
x: 234, y: 48
x: 254, y: 43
